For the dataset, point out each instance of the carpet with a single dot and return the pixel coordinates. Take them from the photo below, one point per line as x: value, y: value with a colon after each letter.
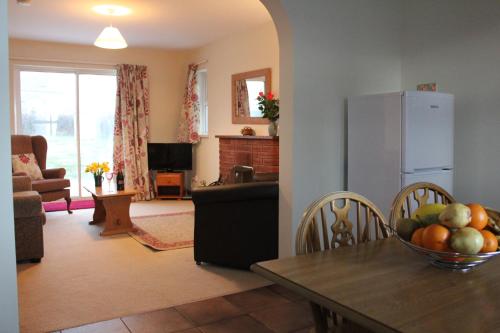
x: 85, y: 278
x: 57, y: 206
x: 164, y: 232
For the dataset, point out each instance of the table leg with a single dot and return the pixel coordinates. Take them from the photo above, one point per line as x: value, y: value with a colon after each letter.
x: 117, y: 215
x: 99, y: 212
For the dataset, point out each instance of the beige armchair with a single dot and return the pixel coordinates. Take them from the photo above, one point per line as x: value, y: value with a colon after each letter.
x: 29, y: 219
x: 54, y: 186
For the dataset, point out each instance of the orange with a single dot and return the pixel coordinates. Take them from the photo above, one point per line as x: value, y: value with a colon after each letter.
x: 490, y: 241
x: 435, y: 237
x: 416, y: 237
x: 479, y: 216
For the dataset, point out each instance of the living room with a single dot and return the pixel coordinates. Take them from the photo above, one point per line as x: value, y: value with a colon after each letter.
x: 337, y: 49
x: 46, y: 70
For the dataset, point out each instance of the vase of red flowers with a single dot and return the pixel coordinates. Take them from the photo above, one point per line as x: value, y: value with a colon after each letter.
x: 270, y: 108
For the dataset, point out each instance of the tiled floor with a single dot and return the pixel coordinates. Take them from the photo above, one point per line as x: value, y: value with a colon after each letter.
x: 264, y: 310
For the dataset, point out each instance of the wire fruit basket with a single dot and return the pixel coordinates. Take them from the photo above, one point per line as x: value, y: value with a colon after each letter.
x: 450, y: 260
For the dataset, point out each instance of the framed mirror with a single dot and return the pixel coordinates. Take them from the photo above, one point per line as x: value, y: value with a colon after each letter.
x: 245, y: 88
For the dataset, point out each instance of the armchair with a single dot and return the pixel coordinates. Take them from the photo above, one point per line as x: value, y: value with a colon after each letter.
x: 29, y: 218
x: 54, y: 186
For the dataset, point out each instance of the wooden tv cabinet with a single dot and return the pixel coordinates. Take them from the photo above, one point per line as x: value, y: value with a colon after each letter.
x: 170, y: 185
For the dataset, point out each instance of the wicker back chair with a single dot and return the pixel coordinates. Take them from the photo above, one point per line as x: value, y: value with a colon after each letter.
x: 327, y: 224
x: 414, y: 196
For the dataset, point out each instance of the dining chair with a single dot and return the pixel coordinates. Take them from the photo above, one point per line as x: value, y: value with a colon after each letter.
x: 414, y: 196
x: 334, y: 220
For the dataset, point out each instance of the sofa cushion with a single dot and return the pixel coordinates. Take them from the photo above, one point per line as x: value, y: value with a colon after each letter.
x: 47, y: 185
x: 27, y: 163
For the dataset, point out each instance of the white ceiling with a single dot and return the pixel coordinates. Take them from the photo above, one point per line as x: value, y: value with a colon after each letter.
x: 153, y: 23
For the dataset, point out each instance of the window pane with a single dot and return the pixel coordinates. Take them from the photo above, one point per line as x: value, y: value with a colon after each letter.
x: 48, y: 108
x: 97, y: 114
x: 202, y: 93
x: 254, y: 87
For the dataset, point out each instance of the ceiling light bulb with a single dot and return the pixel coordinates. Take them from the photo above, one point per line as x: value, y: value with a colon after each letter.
x: 111, y: 10
x: 110, y: 38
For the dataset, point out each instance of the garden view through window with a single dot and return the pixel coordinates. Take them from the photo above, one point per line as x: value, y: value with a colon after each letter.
x: 74, y: 111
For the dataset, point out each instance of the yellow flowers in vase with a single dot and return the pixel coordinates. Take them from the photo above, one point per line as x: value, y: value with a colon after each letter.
x: 97, y: 169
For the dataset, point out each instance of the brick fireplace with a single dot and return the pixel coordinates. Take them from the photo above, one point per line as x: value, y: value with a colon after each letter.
x: 259, y: 152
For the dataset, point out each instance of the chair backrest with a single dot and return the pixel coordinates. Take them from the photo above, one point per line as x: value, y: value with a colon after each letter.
x: 414, y: 196
x: 242, y: 174
x: 22, y: 144
x: 326, y: 223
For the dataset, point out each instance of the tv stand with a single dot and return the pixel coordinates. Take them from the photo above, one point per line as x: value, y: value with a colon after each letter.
x: 170, y: 185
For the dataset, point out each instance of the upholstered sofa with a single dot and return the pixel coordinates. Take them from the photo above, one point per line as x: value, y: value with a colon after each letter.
x: 29, y: 218
x: 236, y: 225
x: 54, y: 186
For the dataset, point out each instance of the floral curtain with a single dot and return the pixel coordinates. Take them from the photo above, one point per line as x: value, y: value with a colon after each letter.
x: 131, y: 133
x: 190, y: 113
x: 242, y: 106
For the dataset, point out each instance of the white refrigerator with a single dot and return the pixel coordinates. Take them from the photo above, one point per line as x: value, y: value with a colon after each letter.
x: 397, y: 139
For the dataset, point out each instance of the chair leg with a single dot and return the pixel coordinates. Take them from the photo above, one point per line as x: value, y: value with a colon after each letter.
x: 320, y: 319
x: 68, y: 203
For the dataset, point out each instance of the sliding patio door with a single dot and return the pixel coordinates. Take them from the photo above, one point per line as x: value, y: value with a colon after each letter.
x: 74, y: 111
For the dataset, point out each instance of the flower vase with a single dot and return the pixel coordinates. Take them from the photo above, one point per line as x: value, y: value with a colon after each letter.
x: 273, y: 128
x: 97, y: 181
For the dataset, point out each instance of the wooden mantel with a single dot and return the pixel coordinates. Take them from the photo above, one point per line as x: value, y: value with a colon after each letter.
x: 259, y: 152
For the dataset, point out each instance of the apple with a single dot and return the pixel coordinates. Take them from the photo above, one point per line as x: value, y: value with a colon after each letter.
x: 467, y: 241
x: 455, y: 215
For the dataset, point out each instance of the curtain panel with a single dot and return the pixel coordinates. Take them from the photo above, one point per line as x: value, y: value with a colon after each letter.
x: 131, y: 132
x: 189, y: 124
x: 242, y: 106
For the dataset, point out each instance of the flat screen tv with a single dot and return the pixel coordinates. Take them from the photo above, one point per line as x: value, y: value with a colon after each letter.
x: 170, y: 156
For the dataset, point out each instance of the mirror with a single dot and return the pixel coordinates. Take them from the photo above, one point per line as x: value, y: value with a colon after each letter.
x: 245, y: 88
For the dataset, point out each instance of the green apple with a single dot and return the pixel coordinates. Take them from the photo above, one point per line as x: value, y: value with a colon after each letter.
x: 467, y: 241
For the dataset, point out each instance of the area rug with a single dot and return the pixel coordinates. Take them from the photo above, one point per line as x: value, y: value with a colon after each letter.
x: 58, y: 206
x: 164, y: 232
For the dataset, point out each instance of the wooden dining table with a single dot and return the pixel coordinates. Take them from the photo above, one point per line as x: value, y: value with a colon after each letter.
x: 385, y: 287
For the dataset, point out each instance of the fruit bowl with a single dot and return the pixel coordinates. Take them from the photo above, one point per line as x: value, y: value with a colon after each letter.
x: 450, y: 260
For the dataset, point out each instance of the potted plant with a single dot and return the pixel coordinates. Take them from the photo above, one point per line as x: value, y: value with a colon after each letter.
x: 97, y: 169
x: 270, y: 108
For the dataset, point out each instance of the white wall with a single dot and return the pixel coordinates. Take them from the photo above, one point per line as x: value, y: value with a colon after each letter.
x: 165, y: 67
x: 8, y: 287
x: 242, y: 52
x: 456, y: 43
x: 340, y: 48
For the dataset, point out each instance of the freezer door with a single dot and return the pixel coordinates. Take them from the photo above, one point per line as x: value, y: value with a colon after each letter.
x: 443, y: 178
x: 427, y: 124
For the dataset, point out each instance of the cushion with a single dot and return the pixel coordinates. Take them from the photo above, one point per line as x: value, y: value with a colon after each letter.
x: 47, y: 185
x: 27, y: 163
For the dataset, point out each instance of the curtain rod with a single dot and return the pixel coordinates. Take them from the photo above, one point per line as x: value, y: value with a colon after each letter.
x: 76, y: 62
x: 201, y: 62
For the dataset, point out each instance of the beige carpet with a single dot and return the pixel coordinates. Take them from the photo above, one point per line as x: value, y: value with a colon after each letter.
x: 165, y: 232
x: 86, y: 278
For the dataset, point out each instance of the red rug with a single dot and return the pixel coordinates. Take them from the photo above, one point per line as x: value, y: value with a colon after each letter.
x: 164, y: 232
x: 58, y: 206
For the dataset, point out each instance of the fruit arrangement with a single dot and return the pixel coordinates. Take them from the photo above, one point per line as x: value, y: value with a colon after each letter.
x: 465, y: 229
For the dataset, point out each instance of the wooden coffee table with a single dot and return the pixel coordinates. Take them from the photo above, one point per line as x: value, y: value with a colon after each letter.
x: 112, y: 208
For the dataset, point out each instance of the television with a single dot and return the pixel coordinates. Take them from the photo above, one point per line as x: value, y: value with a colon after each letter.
x: 170, y: 156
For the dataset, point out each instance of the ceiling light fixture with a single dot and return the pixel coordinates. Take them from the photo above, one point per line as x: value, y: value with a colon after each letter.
x: 110, y: 37
x: 24, y: 2
x: 111, y: 10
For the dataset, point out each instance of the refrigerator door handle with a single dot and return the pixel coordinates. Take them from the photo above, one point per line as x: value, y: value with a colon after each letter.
x: 417, y: 170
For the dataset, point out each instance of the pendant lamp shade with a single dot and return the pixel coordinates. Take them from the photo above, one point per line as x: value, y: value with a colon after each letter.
x: 110, y: 38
